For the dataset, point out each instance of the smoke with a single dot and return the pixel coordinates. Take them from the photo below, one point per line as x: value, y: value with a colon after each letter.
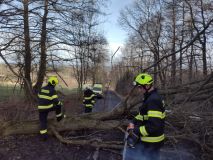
x: 177, y: 154
x: 139, y: 153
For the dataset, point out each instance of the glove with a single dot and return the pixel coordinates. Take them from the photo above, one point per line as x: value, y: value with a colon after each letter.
x: 132, y: 138
x: 130, y: 127
x: 136, y: 131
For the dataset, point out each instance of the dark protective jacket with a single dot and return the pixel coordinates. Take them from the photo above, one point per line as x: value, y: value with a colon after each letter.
x: 89, y: 98
x: 150, y: 119
x: 47, y: 97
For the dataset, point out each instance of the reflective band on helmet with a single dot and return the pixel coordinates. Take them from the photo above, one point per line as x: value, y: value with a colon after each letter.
x: 139, y: 117
x: 45, y: 107
x: 143, y: 131
x: 43, y: 131
x: 59, y: 115
x: 153, y: 139
x: 156, y: 114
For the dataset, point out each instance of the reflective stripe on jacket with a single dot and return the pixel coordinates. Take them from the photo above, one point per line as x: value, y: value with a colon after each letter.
x: 47, y: 97
x: 89, y: 98
x: 150, y: 118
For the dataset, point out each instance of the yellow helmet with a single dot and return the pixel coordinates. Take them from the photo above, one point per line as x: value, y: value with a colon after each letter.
x: 53, y: 80
x: 143, y: 79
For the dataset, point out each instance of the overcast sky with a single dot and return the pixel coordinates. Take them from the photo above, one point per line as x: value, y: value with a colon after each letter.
x: 114, y: 33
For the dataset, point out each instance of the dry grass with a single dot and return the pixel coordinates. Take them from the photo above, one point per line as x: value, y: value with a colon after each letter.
x: 66, y: 78
x: 15, y: 109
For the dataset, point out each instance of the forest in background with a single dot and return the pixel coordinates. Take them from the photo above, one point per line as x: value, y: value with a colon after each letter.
x: 170, y: 39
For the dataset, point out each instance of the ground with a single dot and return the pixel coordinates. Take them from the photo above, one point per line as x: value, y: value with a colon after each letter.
x: 28, y: 147
x: 31, y: 148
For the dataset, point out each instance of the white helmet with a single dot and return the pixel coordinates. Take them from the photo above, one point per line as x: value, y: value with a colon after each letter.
x: 88, y: 87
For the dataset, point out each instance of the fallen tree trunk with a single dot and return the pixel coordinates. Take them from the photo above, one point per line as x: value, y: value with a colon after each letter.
x: 68, y: 124
x: 98, y: 143
x: 206, y: 84
x: 187, y: 89
x: 99, y: 120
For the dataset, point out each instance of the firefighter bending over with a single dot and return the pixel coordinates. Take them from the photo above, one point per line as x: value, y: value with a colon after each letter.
x: 48, y: 101
x: 89, y: 100
x: 146, y: 132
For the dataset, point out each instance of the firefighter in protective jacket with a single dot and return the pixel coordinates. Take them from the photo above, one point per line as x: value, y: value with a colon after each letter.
x: 48, y: 101
x: 89, y: 100
x: 148, y: 125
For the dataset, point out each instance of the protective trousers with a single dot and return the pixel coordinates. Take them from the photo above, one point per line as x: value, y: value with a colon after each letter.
x: 43, y: 114
x: 143, y: 151
x: 87, y: 110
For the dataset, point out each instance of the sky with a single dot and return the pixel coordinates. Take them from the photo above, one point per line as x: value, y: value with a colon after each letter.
x: 114, y: 33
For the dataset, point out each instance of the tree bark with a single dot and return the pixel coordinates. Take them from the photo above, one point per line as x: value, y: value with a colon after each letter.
x: 173, y: 69
x: 70, y: 123
x: 27, y: 56
x: 43, y: 58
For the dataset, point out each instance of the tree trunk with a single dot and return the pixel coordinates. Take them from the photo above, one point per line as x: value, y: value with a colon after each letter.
x: 203, y: 43
x: 69, y: 124
x: 43, y: 58
x: 27, y: 55
x: 173, y: 70
x: 98, y: 120
x: 181, y: 45
x: 101, y: 120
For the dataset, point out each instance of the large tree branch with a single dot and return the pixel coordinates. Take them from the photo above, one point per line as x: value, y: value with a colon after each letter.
x: 70, y: 123
x: 98, y: 120
x: 98, y: 143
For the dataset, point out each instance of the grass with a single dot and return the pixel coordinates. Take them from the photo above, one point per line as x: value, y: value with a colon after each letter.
x: 8, y: 91
x: 66, y: 90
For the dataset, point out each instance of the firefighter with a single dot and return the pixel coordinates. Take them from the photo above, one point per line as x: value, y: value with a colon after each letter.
x: 47, y: 102
x: 89, y: 100
x: 146, y: 131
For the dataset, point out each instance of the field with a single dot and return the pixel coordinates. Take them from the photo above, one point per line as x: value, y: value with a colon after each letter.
x: 13, y: 106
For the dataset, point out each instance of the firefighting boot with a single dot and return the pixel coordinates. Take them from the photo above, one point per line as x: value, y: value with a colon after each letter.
x: 61, y: 117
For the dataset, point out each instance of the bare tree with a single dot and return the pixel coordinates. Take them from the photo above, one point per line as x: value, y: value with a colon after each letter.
x: 176, y: 41
x: 43, y: 54
x: 39, y: 33
x: 199, y: 16
x: 145, y: 20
